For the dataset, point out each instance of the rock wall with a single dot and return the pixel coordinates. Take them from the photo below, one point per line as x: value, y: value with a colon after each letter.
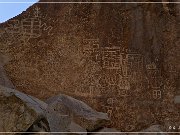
x: 122, y: 59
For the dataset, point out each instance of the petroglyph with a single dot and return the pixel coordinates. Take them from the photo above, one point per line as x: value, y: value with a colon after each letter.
x: 119, y: 58
x: 31, y: 28
x: 27, y: 28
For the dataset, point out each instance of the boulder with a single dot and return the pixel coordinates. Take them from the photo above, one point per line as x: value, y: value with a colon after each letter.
x: 78, y: 112
x: 108, y: 131
x: 77, y: 128
x: 20, y: 112
x: 158, y: 129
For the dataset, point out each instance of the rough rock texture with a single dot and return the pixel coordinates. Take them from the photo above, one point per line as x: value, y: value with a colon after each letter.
x: 75, y: 111
x: 18, y: 113
x: 108, y: 131
x: 4, y: 81
x: 23, y: 113
x: 122, y: 59
x: 77, y: 128
x: 155, y: 128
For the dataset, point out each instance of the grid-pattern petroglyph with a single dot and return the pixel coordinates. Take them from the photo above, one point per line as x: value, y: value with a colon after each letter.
x: 105, y: 56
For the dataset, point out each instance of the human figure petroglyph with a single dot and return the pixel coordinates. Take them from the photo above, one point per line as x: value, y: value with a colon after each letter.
x: 37, y: 12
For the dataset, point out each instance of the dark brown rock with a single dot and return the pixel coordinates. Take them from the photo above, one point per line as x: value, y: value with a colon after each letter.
x: 122, y: 59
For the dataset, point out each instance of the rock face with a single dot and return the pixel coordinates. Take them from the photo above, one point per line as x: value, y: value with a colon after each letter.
x: 122, y: 59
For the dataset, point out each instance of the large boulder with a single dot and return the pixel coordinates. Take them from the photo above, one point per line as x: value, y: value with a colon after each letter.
x: 20, y: 112
x: 155, y: 128
x: 75, y: 112
x: 152, y: 130
x: 108, y: 131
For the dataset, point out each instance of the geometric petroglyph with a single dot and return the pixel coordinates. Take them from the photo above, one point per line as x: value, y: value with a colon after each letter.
x: 90, y: 49
x: 13, y: 27
x: 29, y: 27
x: 112, y: 58
x: 157, y: 94
x: 105, y: 65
